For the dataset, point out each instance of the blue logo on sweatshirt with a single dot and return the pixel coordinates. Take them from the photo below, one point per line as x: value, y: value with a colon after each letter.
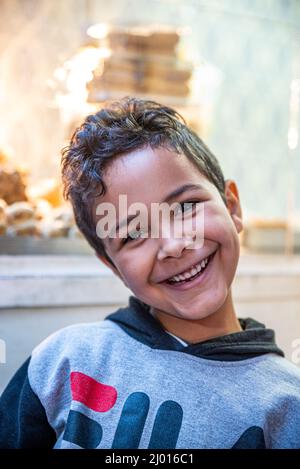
x: 87, y: 433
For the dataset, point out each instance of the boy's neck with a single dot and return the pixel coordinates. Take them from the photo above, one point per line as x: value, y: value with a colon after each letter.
x: 220, y: 323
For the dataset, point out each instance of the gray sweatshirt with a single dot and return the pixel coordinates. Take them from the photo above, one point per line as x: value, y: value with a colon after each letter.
x: 125, y: 383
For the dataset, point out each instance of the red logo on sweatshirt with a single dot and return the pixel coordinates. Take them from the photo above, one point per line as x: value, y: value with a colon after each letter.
x: 97, y: 396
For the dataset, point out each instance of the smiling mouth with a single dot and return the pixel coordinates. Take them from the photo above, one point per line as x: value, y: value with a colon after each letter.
x: 190, y: 274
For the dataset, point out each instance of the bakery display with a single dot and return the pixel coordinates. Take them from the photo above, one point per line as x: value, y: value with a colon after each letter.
x: 47, y: 189
x: 19, y: 212
x: 3, y: 219
x: 12, y: 181
x: 24, y: 228
x: 265, y: 235
x: 36, y: 211
x: 36, y: 218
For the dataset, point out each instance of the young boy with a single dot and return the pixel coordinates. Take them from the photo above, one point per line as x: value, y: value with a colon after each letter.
x: 175, y: 368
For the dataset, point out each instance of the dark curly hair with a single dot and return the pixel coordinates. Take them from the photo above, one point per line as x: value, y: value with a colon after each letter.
x: 121, y: 127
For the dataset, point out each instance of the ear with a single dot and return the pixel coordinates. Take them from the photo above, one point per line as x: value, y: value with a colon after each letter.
x: 111, y: 266
x: 233, y: 204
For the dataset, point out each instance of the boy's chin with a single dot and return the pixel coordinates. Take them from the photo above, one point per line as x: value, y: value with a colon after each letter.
x: 192, y: 315
x: 200, y: 310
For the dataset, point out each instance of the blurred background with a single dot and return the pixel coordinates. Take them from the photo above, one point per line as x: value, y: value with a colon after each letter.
x: 230, y: 67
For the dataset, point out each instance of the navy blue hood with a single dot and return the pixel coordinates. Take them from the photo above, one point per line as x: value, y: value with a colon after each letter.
x: 254, y: 340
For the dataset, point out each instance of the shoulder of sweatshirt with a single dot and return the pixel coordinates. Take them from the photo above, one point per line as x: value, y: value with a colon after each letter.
x: 284, y: 369
x: 281, y: 376
x: 71, y: 349
x: 76, y: 343
x: 82, y: 341
x: 73, y: 338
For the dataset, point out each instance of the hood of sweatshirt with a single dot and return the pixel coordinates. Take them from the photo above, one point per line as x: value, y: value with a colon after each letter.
x: 254, y: 339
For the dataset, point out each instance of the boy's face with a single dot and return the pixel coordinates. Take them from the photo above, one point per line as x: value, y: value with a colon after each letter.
x: 145, y: 264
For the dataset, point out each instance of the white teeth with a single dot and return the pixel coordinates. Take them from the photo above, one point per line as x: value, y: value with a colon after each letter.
x: 190, y: 273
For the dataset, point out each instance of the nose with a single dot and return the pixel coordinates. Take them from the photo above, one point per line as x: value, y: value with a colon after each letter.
x: 173, y: 247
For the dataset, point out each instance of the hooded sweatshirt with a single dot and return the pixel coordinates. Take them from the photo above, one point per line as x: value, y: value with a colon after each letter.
x: 126, y: 383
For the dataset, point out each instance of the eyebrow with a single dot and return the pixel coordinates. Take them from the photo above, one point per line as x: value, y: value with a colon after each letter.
x: 182, y: 189
x: 176, y: 193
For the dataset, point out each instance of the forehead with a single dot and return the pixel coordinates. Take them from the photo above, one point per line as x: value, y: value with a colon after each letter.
x: 148, y: 175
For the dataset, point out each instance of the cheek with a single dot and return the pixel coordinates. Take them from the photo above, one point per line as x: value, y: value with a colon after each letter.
x: 219, y: 227
x: 134, y: 266
x: 230, y: 256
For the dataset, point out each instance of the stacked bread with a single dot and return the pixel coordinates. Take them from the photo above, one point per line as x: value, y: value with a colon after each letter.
x: 12, y: 184
x: 21, y: 219
x: 3, y: 221
x: 55, y: 222
x: 37, y: 218
x: 35, y: 211
x: 142, y: 61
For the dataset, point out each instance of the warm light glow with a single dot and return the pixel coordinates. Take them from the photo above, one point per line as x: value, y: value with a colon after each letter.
x: 98, y: 31
x: 204, y: 87
x: 81, y: 67
x: 60, y: 73
x: 293, y: 138
x: 76, y: 73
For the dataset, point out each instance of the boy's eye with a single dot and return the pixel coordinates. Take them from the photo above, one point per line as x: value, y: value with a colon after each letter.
x: 184, y: 207
x: 133, y: 235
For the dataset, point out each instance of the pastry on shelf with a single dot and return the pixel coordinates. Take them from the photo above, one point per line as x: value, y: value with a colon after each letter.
x: 47, y: 189
x: 12, y: 180
x: 53, y: 229
x: 64, y: 214
x: 19, y: 212
x: 43, y: 209
x: 3, y: 218
x: 24, y: 228
x: 12, y: 187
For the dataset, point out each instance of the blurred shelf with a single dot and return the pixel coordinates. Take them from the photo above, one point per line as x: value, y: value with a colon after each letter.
x: 56, y: 280
x: 29, y: 245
